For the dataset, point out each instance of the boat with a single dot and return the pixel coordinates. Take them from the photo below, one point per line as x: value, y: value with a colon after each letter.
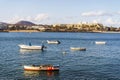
x: 53, y: 42
x: 100, y: 42
x: 47, y: 67
x: 31, y: 47
x: 23, y: 51
x: 78, y: 48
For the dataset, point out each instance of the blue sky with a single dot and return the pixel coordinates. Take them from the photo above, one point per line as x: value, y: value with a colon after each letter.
x: 106, y: 12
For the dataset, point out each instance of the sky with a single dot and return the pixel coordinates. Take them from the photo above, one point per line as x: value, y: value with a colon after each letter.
x: 106, y: 12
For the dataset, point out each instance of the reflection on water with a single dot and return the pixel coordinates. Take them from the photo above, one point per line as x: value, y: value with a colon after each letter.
x: 41, y: 73
x: 31, y: 73
x: 23, y: 51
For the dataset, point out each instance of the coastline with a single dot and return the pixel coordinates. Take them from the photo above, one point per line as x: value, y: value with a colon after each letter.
x: 60, y: 31
x: 110, y: 32
x: 23, y: 31
x: 51, y: 31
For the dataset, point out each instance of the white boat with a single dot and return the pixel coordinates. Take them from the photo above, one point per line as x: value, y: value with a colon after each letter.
x: 78, y: 48
x: 31, y: 47
x: 23, y: 51
x: 53, y: 42
x: 47, y: 67
x: 100, y: 42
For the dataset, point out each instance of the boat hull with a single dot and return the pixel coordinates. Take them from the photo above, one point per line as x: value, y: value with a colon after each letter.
x: 27, y: 47
x: 97, y: 42
x: 53, y: 42
x: 78, y: 48
x: 41, y: 68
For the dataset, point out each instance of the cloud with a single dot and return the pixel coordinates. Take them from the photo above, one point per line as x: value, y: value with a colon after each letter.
x: 36, y: 18
x: 118, y: 12
x: 29, y: 18
x: 15, y: 19
x: 41, y: 17
x: 109, y: 21
x: 96, y: 21
x: 112, y: 22
x: 96, y: 13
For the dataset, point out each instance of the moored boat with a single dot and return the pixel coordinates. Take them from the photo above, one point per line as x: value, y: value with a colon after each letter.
x: 41, y: 67
x: 31, y: 47
x: 78, y: 48
x: 100, y: 42
x: 53, y: 42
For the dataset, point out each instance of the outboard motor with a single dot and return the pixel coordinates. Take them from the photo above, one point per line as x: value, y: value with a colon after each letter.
x: 43, y: 47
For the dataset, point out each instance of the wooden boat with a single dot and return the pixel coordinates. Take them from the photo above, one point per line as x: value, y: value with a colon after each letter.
x: 100, y: 42
x: 31, y: 47
x: 78, y: 48
x: 53, y: 42
x: 41, y: 67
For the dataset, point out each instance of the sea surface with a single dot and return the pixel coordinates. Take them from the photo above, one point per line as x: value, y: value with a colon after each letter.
x: 98, y: 62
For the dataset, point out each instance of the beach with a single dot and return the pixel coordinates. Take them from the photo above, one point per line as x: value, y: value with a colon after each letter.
x: 23, y: 31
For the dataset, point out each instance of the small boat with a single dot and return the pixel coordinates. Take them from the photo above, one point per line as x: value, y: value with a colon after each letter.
x: 78, y: 48
x: 100, y: 42
x: 53, y: 42
x: 23, y: 51
x: 47, y: 67
x: 31, y: 47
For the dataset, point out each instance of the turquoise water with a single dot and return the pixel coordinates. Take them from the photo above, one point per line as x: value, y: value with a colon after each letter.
x: 98, y: 62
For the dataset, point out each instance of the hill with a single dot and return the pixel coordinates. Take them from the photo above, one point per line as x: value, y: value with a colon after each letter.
x: 3, y: 23
x: 27, y: 23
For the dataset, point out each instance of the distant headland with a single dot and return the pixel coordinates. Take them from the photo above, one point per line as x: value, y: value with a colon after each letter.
x: 26, y: 26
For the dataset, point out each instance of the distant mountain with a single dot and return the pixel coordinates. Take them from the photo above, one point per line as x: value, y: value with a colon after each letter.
x: 3, y: 23
x: 28, y: 23
x: 3, y: 26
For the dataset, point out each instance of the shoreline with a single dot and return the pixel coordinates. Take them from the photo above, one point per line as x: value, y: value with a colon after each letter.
x: 23, y: 31
x: 110, y: 32
x: 58, y: 31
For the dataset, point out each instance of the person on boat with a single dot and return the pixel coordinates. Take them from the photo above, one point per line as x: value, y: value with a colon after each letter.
x: 43, y: 46
x: 33, y: 65
x: 30, y: 44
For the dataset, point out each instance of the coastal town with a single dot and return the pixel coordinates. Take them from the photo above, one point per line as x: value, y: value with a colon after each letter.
x: 26, y: 26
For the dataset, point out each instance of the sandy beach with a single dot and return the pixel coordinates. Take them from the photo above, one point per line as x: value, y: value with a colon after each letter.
x: 23, y: 31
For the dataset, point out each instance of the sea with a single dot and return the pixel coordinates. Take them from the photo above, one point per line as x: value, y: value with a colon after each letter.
x: 98, y: 62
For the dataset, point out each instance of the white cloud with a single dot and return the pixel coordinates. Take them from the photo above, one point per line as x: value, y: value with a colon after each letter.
x: 15, y: 19
x: 29, y: 18
x: 97, y: 20
x: 110, y: 21
x: 37, y: 18
x: 96, y: 13
x: 118, y: 12
x: 41, y: 17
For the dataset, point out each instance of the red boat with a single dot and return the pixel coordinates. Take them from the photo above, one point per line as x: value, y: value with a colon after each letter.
x: 41, y: 67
